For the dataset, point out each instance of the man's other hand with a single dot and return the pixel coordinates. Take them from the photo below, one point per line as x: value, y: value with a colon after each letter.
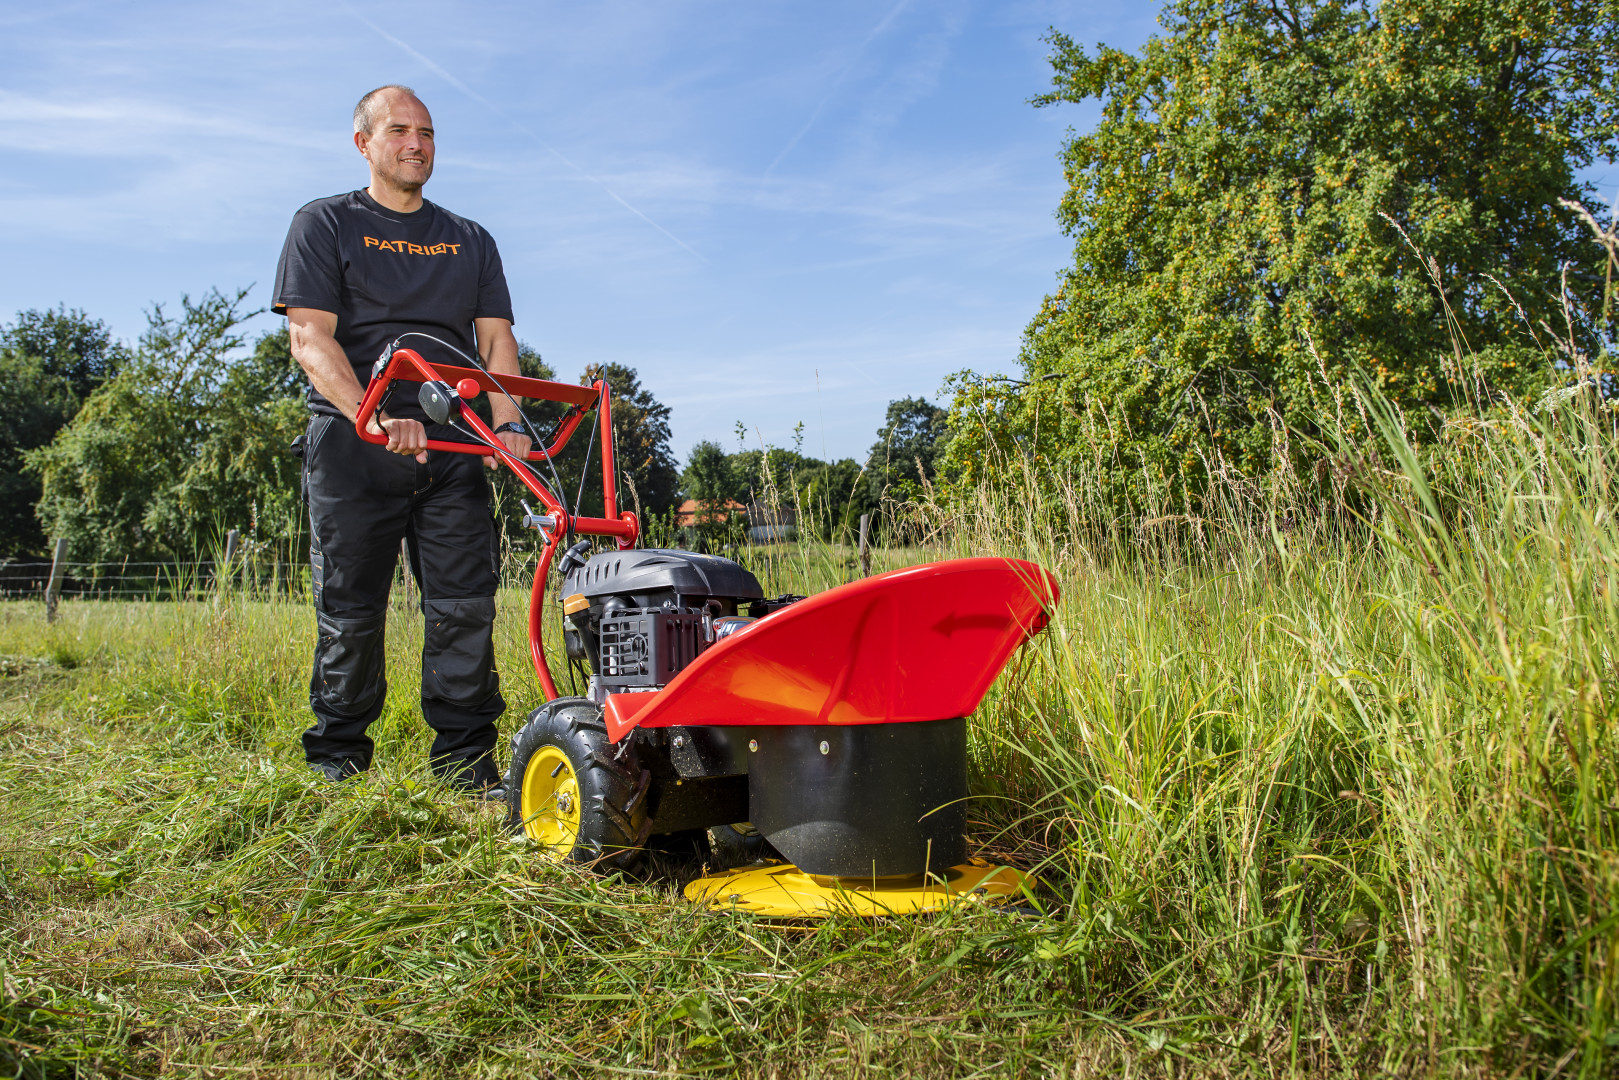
x: 511, y: 440
x: 406, y: 437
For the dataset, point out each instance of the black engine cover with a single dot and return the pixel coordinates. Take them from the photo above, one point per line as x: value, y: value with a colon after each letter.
x: 649, y: 575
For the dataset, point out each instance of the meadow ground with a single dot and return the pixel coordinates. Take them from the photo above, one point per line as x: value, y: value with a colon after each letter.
x: 1307, y: 795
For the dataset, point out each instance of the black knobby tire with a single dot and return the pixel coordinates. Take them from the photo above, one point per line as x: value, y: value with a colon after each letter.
x: 612, y: 787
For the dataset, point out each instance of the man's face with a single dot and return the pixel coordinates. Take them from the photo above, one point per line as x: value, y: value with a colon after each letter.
x: 400, y: 146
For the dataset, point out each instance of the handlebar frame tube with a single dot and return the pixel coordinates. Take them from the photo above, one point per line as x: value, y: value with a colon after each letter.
x: 625, y: 528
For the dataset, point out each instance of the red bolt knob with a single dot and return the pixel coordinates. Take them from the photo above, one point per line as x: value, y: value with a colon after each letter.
x: 467, y: 389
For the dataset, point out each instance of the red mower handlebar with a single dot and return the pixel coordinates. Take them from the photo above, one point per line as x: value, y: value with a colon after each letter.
x: 407, y: 364
x: 461, y: 386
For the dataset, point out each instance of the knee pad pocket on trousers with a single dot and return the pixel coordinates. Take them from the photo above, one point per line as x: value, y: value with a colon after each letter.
x: 458, y: 652
x: 348, y: 674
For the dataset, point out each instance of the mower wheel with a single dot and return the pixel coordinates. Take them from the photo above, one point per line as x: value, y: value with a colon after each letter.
x: 573, y: 792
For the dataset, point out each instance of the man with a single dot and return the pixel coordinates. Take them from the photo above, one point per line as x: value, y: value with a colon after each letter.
x: 357, y: 271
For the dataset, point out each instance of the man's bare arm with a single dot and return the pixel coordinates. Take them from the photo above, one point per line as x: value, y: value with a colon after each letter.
x: 497, y: 347
x: 315, y: 347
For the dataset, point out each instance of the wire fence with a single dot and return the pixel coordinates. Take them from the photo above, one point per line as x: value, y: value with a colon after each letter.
x: 248, y: 570
x: 201, y: 580
x: 130, y: 580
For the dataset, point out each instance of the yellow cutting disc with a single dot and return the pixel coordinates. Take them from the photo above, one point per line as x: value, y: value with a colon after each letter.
x: 783, y: 891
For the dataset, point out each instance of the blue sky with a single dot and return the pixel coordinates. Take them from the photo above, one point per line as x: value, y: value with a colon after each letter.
x: 779, y: 212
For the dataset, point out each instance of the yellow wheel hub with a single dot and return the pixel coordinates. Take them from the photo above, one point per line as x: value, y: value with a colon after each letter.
x: 551, y: 801
x: 784, y: 891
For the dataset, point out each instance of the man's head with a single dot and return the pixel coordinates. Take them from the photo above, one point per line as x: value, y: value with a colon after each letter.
x: 394, y: 133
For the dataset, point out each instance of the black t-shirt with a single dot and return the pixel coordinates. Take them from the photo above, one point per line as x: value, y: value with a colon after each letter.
x: 383, y: 273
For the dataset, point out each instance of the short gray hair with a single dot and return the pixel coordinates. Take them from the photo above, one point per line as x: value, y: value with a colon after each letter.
x: 365, y: 113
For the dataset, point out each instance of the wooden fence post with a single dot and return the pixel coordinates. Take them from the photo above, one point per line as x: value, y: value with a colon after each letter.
x: 222, y: 572
x: 865, y: 551
x: 53, y: 587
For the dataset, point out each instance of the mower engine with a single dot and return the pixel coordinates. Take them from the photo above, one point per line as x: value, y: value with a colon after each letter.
x: 639, y: 617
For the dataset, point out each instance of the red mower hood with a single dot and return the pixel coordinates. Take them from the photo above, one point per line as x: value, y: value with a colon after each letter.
x: 923, y: 643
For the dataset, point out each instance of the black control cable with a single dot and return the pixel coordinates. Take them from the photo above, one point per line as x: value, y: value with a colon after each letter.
x: 590, y: 449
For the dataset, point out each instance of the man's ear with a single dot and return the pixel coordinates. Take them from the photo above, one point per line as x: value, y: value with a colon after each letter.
x: 360, y: 141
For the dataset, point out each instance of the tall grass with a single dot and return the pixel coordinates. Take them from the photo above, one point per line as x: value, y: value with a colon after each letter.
x: 1335, y: 778
x: 1319, y: 779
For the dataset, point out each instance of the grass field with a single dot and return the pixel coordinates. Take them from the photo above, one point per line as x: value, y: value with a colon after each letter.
x: 1307, y: 797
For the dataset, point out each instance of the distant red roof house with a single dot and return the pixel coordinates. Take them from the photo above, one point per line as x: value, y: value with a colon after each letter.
x: 691, y: 510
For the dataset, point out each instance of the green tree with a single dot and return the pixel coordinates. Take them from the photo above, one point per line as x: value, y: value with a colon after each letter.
x: 241, y: 473
x: 50, y: 361
x: 645, y: 464
x: 827, y: 496
x: 904, y: 459
x: 68, y: 344
x: 648, y: 472
x: 181, y: 444
x: 831, y: 496
x: 767, y: 474
x: 1247, y: 216
x: 710, y: 480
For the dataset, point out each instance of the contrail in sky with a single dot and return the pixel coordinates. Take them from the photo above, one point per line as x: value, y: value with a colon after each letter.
x: 836, y: 83
x: 560, y: 156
